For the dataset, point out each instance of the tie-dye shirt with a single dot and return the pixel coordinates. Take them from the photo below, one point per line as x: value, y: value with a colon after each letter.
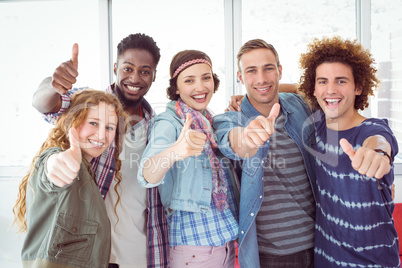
x: 354, y: 224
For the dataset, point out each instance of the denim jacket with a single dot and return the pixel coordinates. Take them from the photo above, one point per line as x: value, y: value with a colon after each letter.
x: 187, y: 185
x: 299, y: 127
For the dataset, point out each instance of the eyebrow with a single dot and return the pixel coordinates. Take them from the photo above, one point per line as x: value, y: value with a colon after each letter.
x: 265, y: 65
x: 191, y: 76
x: 336, y: 78
x: 97, y: 119
x: 143, y: 66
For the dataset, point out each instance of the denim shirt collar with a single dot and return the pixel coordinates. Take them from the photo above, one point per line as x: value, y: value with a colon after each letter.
x: 248, y: 109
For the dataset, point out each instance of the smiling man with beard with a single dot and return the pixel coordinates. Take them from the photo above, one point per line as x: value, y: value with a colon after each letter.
x: 136, y: 214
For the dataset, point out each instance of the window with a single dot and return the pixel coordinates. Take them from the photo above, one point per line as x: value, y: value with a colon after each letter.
x: 386, y: 46
x: 36, y: 37
x: 175, y: 26
x: 290, y: 25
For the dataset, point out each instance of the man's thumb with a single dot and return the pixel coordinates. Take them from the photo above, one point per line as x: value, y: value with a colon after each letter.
x: 74, y: 57
x: 273, y: 114
x: 347, y: 148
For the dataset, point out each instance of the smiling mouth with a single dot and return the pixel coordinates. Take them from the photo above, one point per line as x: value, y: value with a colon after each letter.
x: 200, y: 97
x: 96, y: 143
x: 264, y: 89
x: 332, y: 102
x: 133, y: 89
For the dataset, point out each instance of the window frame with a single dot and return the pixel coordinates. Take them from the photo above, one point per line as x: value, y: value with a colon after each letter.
x: 233, y: 30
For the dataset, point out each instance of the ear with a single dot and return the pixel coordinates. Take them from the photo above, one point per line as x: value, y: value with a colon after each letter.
x: 358, y: 90
x: 115, y: 68
x: 153, y: 80
x: 240, y: 77
x: 280, y: 71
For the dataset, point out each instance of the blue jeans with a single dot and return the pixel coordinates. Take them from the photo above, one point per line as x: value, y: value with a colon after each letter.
x: 302, y: 259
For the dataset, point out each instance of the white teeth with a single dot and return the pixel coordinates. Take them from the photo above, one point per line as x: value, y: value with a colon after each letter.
x: 96, y: 143
x: 133, y: 88
x: 332, y: 101
x: 262, y: 89
x: 199, y: 96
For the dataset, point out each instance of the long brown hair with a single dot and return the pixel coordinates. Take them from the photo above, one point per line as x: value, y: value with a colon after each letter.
x: 58, y: 137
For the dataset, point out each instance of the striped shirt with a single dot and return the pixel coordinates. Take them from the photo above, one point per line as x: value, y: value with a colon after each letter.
x: 354, y: 225
x: 285, y: 221
x: 104, y: 169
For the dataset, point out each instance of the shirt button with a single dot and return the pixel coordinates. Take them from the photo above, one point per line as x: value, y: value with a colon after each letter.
x: 242, y: 232
x: 74, y: 230
x: 252, y: 214
x: 260, y: 196
x: 111, y: 171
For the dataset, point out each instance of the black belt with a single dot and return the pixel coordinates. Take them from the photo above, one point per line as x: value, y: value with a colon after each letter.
x: 113, y: 265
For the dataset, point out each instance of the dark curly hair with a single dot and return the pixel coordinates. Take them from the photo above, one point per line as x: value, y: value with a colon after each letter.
x: 336, y: 49
x: 139, y: 41
x: 183, y: 57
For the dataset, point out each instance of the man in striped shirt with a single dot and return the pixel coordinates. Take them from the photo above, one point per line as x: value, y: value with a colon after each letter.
x: 139, y: 234
x: 268, y: 137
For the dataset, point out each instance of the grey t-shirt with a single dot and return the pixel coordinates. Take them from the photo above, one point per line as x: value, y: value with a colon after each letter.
x: 285, y: 222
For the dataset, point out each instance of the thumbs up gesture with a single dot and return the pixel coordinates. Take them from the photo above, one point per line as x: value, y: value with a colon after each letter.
x: 260, y: 129
x: 64, y: 77
x: 190, y: 142
x: 366, y: 161
x: 63, y: 167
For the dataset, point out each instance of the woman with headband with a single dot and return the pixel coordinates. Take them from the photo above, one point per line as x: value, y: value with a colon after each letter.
x: 195, y: 181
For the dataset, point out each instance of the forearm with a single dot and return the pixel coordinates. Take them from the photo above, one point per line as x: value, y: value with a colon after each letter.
x: 45, y: 98
x: 239, y: 145
x: 288, y: 88
x: 156, y: 167
x: 377, y: 142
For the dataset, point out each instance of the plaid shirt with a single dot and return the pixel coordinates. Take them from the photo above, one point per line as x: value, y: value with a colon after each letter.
x: 104, y: 169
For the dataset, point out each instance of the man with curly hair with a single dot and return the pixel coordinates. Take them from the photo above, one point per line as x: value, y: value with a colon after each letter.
x: 354, y: 158
x: 139, y: 234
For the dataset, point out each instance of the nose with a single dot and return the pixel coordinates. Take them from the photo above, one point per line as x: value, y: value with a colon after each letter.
x: 198, y: 85
x: 101, y: 133
x: 261, y: 79
x: 332, y: 88
x: 135, y: 77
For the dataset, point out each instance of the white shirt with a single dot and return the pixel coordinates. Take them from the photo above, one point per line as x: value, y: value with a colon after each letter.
x: 129, y: 236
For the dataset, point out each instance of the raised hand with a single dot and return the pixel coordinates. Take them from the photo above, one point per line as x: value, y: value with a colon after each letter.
x: 64, y: 77
x: 260, y: 129
x: 366, y: 161
x: 62, y: 168
x: 234, y: 103
x: 190, y: 142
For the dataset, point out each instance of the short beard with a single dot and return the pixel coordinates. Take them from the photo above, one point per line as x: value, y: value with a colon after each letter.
x: 126, y: 102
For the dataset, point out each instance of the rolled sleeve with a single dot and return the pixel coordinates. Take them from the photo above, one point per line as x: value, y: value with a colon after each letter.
x: 162, y: 135
x: 65, y: 104
x: 223, y: 124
